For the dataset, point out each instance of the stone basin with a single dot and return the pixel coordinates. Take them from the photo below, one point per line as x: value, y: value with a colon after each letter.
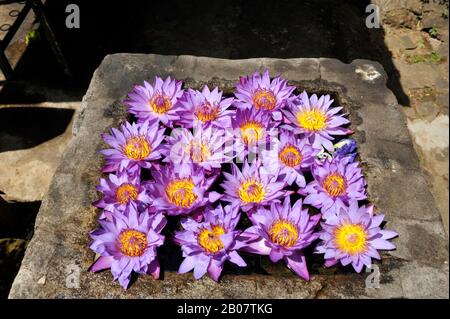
x: 56, y: 261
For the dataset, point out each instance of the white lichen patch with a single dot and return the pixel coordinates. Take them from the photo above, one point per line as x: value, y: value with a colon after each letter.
x: 367, y: 72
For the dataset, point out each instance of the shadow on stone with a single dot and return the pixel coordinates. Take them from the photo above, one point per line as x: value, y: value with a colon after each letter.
x: 17, y: 219
x: 26, y: 127
x: 220, y: 29
x: 16, y: 229
x: 11, y: 254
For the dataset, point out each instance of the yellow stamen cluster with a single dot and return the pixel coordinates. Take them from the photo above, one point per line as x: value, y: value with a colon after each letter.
x: 335, y: 184
x: 126, y: 193
x: 284, y: 233
x: 313, y: 120
x: 210, y: 239
x: 180, y: 192
x: 198, y: 151
x: 137, y: 148
x: 351, y: 238
x: 160, y: 103
x: 264, y: 99
x: 252, y: 191
x: 132, y: 243
x: 290, y: 156
x: 206, y: 112
x: 252, y: 132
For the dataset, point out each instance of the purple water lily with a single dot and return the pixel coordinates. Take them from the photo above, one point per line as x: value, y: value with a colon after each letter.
x: 253, y: 187
x: 282, y: 232
x: 128, y: 243
x: 258, y: 92
x: 118, y: 191
x: 152, y: 175
x: 206, y: 108
x: 314, y: 118
x: 180, y: 189
x: 206, y: 147
x: 354, y: 237
x: 134, y: 146
x: 209, y: 244
x: 252, y: 131
x: 290, y: 156
x: 336, y: 182
x: 158, y: 101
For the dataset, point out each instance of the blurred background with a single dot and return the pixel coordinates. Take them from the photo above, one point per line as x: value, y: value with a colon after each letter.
x: 49, y: 66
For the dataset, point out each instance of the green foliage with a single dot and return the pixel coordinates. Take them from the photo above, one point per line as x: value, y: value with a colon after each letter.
x: 421, y: 44
x: 433, y: 32
x: 433, y: 57
x: 32, y: 36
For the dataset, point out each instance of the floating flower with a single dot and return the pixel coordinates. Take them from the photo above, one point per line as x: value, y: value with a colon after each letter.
x: 206, y: 147
x: 207, y: 245
x: 282, y: 232
x: 251, y: 131
x: 251, y: 188
x: 155, y: 102
x: 336, y: 183
x: 120, y: 190
x: 314, y: 118
x: 134, y: 146
x: 206, y: 108
x: 182, y: 170
x: 290, y: 156
x: 354, y: 237
x: 180, y: 189
x: 128, y: 243
x: 258, y: 92
x: 346, y: 147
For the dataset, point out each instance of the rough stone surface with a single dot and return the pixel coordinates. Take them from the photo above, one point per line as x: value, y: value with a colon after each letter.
x: 397, y: 187
x: 431, y: 138
x: 419, y: 56
x: 414, y: 6
x: 401, y: 17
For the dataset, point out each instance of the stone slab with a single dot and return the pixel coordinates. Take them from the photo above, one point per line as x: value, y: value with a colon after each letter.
x: 58, y: 253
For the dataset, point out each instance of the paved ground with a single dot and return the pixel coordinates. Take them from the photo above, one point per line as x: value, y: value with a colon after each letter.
x: 412, y: 46
x: 418, y: 38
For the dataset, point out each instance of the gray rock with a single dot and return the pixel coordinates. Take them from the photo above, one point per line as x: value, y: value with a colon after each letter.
x: 401, y: 17
x: 407, y: 42
x: 427, y: 110
x: 56, y: 262
x: 414, y: 6
x: 442, y: 100
x: 417, y: 75
x: 433, y: 16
